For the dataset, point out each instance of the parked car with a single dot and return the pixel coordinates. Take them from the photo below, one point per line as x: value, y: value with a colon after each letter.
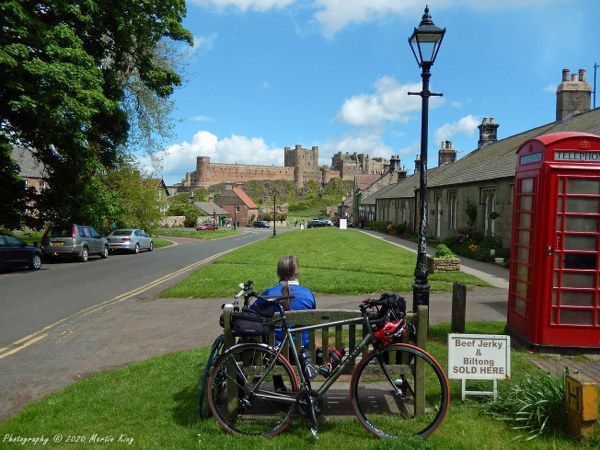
x: 73, y: 241
x: 130, y: 240
x: 314, y: 223
x: 206, y: 226
x: 261, y: 224
x: 16, y: 253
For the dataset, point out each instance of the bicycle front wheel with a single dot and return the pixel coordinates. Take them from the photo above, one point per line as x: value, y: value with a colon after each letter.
x: 252, y: 390
x: 399, y: 391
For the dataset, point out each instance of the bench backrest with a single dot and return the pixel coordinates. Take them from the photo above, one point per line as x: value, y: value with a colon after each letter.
x: 347, y: 335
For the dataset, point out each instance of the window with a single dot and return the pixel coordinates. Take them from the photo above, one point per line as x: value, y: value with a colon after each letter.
x: 452, y: 208
x: 489, y: 210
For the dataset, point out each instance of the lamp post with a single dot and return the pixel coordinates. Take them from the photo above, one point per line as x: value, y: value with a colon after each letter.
x: 274, y: 214
x: 425, y: 43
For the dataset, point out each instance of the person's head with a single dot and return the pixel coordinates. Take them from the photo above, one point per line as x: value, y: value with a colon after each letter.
x: 287, y: 268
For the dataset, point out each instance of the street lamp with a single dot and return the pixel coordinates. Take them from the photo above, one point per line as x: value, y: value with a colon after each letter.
x: 425, y: 43
x: 274, y: 214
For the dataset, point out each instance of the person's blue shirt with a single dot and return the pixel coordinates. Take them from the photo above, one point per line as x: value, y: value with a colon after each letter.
x: 303, y: 299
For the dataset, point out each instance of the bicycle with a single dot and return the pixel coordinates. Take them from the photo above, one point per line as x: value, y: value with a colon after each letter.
x: 255, y: 390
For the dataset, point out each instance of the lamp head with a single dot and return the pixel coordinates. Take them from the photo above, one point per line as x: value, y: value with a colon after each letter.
x: 426, y: 40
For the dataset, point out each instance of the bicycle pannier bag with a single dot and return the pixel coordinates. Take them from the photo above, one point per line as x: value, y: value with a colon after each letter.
x: 248, y: 322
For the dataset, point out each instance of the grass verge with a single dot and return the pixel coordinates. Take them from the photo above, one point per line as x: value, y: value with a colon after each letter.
x: 153, y: 404
x: 197, y: 234
x: 332, y: 261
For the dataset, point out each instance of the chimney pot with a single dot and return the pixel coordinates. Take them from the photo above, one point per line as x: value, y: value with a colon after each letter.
x: 565, y: 74
x: 582, y: 76
x: 574, y: 77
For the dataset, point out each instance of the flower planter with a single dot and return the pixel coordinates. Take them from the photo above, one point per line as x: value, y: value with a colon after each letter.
x: 442, y: 264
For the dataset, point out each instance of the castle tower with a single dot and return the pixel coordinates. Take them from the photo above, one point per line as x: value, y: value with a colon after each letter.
x: 446, y: 153
x: 298, y: 177
x: 572, y: 95
x: 488, y: 132
x: 202, y: 169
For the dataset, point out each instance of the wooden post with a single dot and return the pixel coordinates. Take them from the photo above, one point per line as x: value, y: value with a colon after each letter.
x: 459, y: 307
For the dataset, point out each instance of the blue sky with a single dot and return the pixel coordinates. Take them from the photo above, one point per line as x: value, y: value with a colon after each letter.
x: 269, y: 74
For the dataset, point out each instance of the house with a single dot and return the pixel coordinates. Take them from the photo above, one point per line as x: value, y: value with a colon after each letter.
x: 30, y: 169
x: 211, y: 211
x: 476, y: 191
x: 238, y: 204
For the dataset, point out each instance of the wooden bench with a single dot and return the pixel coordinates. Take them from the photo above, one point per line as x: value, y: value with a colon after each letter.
x: 347, y: 336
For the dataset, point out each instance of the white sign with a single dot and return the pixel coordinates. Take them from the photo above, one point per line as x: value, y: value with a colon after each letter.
x: 343, y: 224
x: 478, y: 356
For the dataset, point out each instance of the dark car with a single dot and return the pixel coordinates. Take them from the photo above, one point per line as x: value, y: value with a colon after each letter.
x: 314, y: 223
x: 16, y: 253
x: 261, y: 224
x: 73, y: 241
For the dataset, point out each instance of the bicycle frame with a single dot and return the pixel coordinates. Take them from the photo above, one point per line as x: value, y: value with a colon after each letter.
x: 288, y: 340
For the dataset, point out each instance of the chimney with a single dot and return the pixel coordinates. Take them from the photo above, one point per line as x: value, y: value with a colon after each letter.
x: 394, y: 163
x: 417, y: 164
x: 574, y: 95
x: 488, y: 132
x: 446, y: 153
x: 402, y: 174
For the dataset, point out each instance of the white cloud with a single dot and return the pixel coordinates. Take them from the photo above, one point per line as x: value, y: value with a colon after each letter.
x: 202, y: 119
x: 334, y: 15
x: 466, y: 125
x: 551, y: 88
x: 370, y: 144
x: 389, y: 103
x: 245, y: 5
x: 179, y: 159
x: 204, y: 43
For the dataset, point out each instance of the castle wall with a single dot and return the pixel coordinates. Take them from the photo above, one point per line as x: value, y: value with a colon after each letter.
x: 300, y: 165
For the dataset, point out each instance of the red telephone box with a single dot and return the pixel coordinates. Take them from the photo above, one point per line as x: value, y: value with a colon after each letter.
x: 554, y: 288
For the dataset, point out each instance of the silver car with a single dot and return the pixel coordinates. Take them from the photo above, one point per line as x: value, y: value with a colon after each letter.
x: 74, y: 241
x: 130, y: 240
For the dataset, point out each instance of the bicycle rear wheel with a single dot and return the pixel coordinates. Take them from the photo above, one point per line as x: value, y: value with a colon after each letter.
x: 217, y: 348
x: 387, y: 397
x: 252, y: 390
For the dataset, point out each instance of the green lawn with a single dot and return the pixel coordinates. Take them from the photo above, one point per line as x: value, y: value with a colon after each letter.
x: 332, y: 261
x: 204, y: 234
x: 153, y: 404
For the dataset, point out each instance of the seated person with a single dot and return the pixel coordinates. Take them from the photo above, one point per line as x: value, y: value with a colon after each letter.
x: 288, y: 270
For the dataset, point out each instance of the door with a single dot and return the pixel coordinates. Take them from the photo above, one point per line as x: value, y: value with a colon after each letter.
x: 576, y: 248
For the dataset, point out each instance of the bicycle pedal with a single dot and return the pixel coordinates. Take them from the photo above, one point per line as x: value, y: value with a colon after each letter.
x: 314, y: 432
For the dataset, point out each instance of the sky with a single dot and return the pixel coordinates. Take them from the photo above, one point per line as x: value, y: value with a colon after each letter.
x: 267, y: 74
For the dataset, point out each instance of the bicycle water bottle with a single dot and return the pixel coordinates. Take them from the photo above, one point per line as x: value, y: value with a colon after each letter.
x: 334, y: 360
x: 306, y: 364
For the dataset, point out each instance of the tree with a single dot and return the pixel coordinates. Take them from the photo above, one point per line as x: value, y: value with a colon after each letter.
x: 135, y: 197
x: 188, y: 210
x: 69, y: 75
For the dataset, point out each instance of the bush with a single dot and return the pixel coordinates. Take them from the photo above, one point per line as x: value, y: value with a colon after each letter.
x: 473, y: 244
x: 533, y: 405
x: 380, y: 225
x: 442, y: 251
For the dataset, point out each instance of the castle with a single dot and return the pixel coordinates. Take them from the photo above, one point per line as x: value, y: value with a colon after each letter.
x: 299, y: 165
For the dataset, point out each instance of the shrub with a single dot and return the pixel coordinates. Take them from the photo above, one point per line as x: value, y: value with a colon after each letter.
x: 442, y: 251
x: 534, y: 405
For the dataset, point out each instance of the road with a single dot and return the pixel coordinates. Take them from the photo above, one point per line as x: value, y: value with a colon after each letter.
x: 57, y: 323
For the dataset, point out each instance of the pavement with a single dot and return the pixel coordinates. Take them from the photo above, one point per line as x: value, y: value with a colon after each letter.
x: 140, y: 328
